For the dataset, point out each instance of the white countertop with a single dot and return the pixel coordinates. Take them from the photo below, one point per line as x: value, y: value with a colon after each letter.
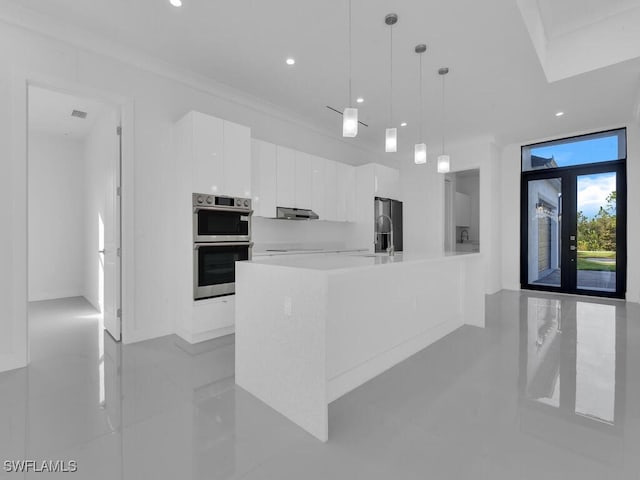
x: 346, y: 261
x: 303, y: 251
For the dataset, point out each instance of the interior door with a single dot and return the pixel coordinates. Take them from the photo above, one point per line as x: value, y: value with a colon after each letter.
x: 111, y: 236
x: 574, y: 236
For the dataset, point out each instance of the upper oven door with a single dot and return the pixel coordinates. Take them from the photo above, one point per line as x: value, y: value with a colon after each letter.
x: 221, y: 225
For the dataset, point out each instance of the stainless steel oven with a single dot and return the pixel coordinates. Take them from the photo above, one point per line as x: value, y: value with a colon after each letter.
x: 221, y: 219
x: 214, y: 267
x: 221, y: 237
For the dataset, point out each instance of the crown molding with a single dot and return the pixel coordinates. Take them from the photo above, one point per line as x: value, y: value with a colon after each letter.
x: 85, y: 40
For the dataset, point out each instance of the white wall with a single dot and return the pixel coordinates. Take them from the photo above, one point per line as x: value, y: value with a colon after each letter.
x: 56, y: 220
x: 272, y: 233
x: 424, y: 203
x: 159, y: 100
x: 510, y: 211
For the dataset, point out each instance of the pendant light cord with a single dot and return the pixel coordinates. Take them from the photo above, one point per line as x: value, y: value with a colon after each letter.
x: 391, y: 75
x: 420, y: 133
x: 349, y: 100
x: 443, y: 114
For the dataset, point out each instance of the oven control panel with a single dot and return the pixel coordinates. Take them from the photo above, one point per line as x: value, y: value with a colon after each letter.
x: 206, y: 200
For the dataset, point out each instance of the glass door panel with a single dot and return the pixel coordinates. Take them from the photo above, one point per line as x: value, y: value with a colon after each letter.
x: 596, y: 219
x: 544, y: 232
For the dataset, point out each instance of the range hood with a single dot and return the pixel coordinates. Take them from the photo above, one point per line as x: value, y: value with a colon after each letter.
x: 286, y: 213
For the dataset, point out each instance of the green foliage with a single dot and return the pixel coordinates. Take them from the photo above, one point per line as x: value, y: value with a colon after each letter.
x: 599, y: 232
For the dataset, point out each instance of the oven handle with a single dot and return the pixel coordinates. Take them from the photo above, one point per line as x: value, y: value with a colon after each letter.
x: 196, y: 246
x: 224, y: 209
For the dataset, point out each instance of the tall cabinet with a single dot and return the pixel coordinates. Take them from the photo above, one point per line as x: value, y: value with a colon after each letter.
x: 213, y: 156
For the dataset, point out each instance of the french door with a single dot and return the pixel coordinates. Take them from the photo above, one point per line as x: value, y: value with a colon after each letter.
x: 573, y: 230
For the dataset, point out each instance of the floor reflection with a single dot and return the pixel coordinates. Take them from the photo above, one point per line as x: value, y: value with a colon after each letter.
x: 571, y: 357
x: 543, y: 391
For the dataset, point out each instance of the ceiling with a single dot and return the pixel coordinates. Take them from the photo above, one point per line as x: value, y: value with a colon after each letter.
x: 50, y: 112
x: 496, y: 86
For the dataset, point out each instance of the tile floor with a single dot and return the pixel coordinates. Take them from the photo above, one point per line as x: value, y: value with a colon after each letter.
x: 550, y: 389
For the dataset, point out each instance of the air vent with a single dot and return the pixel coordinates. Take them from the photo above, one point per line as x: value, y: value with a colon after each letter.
x: 79, y: 114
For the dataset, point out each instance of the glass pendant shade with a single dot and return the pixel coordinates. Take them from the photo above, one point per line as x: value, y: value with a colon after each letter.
x: 420, y: 153
x: 444, y: 163
x: 350, y: 122
x: 391, y: 140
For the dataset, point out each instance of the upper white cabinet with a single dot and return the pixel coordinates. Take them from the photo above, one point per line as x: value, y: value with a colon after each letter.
x: 331, y: 190
x: 285, y: 177
x: 218, y: 153
x: 317, y: 186
x: 386, y: 182
x: 263, y: 178
x: 303, y: 180
x: 237, y: 160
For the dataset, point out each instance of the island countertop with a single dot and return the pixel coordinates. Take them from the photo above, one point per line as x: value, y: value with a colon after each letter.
x: 355, y: 260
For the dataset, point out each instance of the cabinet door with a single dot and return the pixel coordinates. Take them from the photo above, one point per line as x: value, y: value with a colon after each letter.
x: 208, y: 154
x: 263, y: 174
x: 463, y: 210
x: 331, y: 190
x: 237, y: 160
x: 350, y: 193
x: 302, y: 197
x: 387, y: 182
x: 341, y: 191
x: 286, y: 177
x: 318, y: 186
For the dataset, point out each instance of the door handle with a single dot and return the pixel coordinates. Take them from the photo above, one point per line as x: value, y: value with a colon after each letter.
x: 101, y: 251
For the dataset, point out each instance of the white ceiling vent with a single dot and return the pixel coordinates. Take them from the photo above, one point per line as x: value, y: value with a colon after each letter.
x: 79, y: 114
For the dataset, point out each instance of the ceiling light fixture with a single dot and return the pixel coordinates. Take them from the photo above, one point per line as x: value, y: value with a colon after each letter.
x: 391, y: 133
x: 290, y: 61
x: 350, y: 115
x: 359, y: 99
x: 444, y: 162
x: 420, y: 148
x: 559, y: 114
x: 176, y: 3
x: 403, y: 124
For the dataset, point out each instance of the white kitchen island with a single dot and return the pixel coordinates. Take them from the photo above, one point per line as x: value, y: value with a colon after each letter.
x: 311, y: 328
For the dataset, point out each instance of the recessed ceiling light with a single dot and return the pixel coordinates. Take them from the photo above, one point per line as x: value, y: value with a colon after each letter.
x: 559, y: 114
x: 359, y: 99
x: 291, y: 61
x: 403, y: 124
x: 176, y: 3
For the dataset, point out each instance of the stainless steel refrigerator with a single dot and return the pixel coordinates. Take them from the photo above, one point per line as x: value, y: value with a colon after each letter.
x: 387, y: 216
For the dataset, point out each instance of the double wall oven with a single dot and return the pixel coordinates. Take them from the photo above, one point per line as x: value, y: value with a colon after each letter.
x: 221, y: 237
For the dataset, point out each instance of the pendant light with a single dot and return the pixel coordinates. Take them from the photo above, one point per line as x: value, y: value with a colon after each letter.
x: 391, y: 133
x: 350, y: 114
x: 444, y: 162
x: 420, y: 148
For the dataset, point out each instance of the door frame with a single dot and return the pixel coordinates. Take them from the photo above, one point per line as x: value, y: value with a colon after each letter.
x: 568, y: 263
x: 21, y: 81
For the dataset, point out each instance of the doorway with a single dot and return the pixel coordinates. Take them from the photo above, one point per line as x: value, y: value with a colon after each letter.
x: 573, y: 215
x: 74, y: 212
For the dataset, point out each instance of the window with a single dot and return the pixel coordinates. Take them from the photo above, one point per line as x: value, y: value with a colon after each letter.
x: 585, y: 149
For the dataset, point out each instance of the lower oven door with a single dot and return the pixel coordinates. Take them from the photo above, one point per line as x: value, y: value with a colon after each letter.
x: 214, y: 268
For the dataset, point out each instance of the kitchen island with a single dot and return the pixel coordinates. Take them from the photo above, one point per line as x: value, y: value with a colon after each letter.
x: 311, y: 328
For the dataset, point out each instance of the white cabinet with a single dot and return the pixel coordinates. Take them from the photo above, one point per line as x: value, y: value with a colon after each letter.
x: 317, y: 186
x: 285, y: 177
x: 345, y: 192
x: 463, y: 210
x: 236, y: 160
x: 263, y: 178
x: 303, y: 180
x: 386, y: 182
x: 207, y: 151
x: 331, y: 190
x: 218, y: 153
